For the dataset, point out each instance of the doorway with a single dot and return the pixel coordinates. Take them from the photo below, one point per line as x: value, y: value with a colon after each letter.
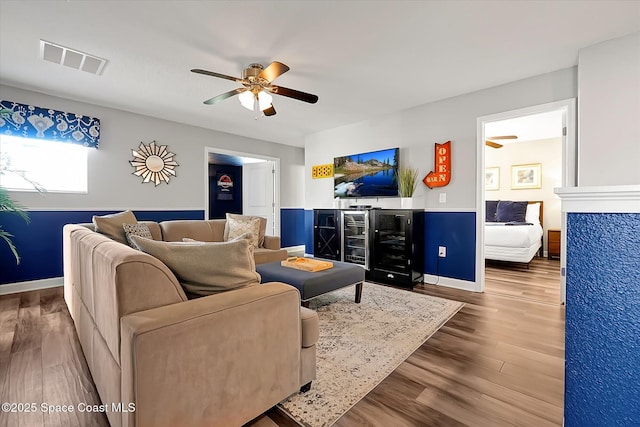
x: 245, y: 183
x: 566, y: 178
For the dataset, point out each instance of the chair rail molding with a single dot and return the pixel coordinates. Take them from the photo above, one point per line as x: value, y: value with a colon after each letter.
x: 600, y: 199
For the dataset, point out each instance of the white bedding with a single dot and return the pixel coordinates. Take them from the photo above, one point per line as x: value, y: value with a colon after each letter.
x: 515, y: 243
x: 501, y: 253
x: 511, y: 236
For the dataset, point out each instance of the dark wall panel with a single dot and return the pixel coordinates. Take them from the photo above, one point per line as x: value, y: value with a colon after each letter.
x: 221, y: 203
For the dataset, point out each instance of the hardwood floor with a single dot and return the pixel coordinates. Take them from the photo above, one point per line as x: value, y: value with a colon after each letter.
x: 498, y: 362
x: 41, y: 361
x: 542, y: 283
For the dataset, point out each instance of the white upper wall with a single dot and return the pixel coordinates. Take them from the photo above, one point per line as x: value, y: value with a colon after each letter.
x: 112, y: 185
x: 609, y: 112
x: 417, y: 129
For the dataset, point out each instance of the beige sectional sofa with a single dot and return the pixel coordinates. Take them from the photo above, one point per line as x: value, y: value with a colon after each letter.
x: 218, y: 360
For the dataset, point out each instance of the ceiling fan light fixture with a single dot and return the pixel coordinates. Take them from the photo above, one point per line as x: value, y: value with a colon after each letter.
x: 257, y: 87
x: 264, y: 100
x: 246, y: 99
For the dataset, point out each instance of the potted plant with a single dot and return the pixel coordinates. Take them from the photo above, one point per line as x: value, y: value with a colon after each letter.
x: 407, y: 183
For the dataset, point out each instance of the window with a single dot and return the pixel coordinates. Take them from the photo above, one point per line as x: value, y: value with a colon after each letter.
x: 55, y: 166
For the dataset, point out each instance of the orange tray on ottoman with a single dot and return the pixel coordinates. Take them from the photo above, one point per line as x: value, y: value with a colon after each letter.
x: 306, y: 264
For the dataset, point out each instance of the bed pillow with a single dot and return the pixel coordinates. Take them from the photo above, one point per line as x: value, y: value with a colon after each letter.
x: 111, y: 225
x: 491, y: 208
x: 205, y: 268
x: 533, y: 213
x: 511, y: 211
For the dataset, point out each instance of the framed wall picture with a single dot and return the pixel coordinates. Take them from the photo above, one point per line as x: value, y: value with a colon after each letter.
x: 224, y: 186
x: 526, y: 176
x: 492, y: 178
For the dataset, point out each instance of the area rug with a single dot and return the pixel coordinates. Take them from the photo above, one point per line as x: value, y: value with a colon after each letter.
x: 361, y: 344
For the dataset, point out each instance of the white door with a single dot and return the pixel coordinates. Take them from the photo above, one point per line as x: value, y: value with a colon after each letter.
x: 258, y: 194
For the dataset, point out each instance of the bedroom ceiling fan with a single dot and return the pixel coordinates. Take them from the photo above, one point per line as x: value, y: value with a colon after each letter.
x: 257, y: 87
x: 490, y: 140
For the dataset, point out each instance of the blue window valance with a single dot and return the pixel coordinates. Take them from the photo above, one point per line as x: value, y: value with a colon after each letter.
x: 41, y: 123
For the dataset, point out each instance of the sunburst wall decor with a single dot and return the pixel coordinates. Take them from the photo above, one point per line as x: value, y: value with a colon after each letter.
x: 154, y: 163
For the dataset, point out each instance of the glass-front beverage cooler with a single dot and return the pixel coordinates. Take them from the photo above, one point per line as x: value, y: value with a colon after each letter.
x: 326, y: 234
x: 355, y: 237
x: 397, y: 252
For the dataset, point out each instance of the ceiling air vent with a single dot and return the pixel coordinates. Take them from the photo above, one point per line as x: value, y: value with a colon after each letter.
x: 71, y: 58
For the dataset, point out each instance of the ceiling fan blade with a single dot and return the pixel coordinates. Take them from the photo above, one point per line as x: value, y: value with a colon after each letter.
x: 503, y: 137
x: 295, y: 94
x: 212, y: 74
x: 273, y: 71
x: 493, y: 144
x: 269, y: 111
x: 225, y: 95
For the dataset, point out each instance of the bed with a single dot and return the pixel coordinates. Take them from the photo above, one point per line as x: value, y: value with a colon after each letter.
x: 514, y: 233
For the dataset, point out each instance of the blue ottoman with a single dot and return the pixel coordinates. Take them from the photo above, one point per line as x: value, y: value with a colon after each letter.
x: 313, y: 284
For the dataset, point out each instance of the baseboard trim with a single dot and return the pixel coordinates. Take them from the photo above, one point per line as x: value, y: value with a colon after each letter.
x: 465, y: 285
x: 31, y: 285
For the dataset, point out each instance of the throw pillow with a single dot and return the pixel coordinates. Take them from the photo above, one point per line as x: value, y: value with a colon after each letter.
x: 248, y: 236
x: 205, y: 268
x: 239, y: 227
x: 111, y: 225
x: 261, y: 232
x: 491, y: 208
x: 511, y: 211
x: 141, y: 230
x: 533, y: 213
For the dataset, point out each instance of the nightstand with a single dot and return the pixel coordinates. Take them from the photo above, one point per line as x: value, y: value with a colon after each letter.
x: 553, y: 243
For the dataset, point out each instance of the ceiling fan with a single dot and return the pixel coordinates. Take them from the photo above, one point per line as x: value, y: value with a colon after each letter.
x: 490, y: 140
x: 257, y: 87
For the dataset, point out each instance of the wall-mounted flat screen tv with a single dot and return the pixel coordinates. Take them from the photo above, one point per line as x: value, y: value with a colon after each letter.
x: 371, y: 174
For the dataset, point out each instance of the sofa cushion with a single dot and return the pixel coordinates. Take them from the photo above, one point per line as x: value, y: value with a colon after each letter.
x: 141, y: 230
x: 206, y: 268
x: 310, y: 327
x: 176, y: 230
x: 261, y: 232
x: 111, y: 225
x: 237, y: 227
x: 263, y: 256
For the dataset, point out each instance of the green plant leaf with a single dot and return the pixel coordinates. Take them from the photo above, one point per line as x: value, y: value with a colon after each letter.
x: 7, y: 238
x: 7, y: 204
x: 407, y: 181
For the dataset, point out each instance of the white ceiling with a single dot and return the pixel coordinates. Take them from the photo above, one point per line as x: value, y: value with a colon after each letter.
x: 533, y: 127
x: 362, y: 58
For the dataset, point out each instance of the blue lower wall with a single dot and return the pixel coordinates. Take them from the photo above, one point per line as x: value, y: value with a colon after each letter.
x: 602, y: 368
x: 456, y: 231
x: 39, y: 243
x: 292, y: 227
x: 308, y: 227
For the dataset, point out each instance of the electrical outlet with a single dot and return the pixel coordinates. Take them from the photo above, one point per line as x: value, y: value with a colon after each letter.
x: 442, y: 251
x: 443, y: 198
